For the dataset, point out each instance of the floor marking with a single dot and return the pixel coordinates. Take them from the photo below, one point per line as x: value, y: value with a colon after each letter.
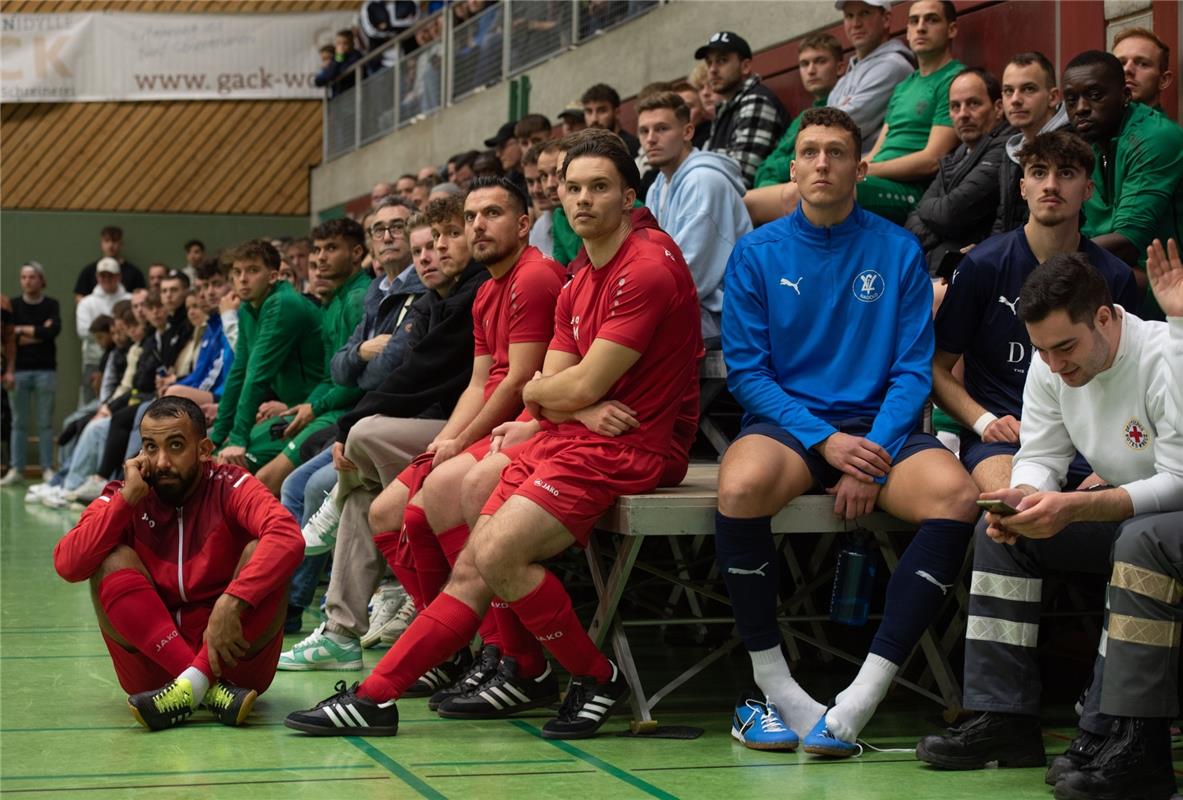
x: 491, y: 761
x: 181, y: 772
x: 185, y: 785
x: 599, y: 763
x: 514, y: 774
x: 396, y: 769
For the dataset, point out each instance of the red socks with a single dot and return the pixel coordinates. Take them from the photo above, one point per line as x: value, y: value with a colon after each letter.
x: 515, y: 641
x: 547, y: 613
x: 431, y: 566
x: 397, y: 553
x: 452, y: 541
x: 439, y: 631
x: 136, y: 611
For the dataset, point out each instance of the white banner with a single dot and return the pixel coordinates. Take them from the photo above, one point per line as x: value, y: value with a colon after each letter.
x: 69, y: 58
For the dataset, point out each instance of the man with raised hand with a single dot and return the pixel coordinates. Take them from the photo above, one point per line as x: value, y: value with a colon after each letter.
x: 978, y: 319
x: 188, y: 563
x: 806, y: 296
x: 625, y: 329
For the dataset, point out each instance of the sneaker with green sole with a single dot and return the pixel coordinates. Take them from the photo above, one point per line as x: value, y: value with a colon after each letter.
x: 230, y: 704
x: 165, y: 707
x: 319, y: 652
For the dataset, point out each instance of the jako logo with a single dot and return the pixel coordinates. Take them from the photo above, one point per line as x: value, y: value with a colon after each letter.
x: 547, y: 487
x: 160, y: 645
x: 550, y: 637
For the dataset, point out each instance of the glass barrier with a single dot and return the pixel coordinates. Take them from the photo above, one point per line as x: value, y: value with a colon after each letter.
x: 377, y: 104
x: 476, y: 50
x: 538, y: 30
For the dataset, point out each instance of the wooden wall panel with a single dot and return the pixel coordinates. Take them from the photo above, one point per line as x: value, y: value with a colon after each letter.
x: 216, y: 157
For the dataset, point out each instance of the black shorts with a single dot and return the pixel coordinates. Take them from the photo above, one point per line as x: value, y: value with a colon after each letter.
x: 823, y: 473
x: 974, y: 451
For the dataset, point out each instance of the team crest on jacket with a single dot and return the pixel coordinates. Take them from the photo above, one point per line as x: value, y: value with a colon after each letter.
x: 868, y: 286
x: 1136, y: 435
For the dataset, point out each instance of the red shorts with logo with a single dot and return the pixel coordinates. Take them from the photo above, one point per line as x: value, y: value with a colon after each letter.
x: 417, y: 471
x: 576, y: 481
x: 138, y: 673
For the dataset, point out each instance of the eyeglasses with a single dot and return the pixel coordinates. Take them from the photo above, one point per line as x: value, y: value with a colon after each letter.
x: 396, y: 228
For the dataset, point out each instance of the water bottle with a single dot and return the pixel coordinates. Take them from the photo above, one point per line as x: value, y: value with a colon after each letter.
x: 854, y: 577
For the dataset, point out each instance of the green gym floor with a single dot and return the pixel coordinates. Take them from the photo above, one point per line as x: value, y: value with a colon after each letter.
x: 65, y: 730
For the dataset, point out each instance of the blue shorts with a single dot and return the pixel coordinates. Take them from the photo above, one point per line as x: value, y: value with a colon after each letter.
x: 823, y: 473
x: 974, y: 451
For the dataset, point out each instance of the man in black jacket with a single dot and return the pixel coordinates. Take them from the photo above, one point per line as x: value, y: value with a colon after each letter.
x: 392, y: 424
x: 958, y: 207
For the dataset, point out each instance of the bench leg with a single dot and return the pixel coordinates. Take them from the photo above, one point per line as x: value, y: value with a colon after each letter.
x: 607, y: 619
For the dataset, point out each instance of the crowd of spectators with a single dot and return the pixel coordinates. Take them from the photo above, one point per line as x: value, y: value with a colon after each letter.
x: 328, y: 364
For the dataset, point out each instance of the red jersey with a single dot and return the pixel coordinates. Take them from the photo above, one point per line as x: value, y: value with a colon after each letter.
x: 643, y: 299
x: 191, y: 552
x: 517, y: 307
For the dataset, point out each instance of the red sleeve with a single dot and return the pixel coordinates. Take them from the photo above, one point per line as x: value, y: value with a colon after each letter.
x: 563, y: 339
x: 639, y: 305
x: 249, y: 505
x: 532, y: 304
x: 105, y: 524
x: 480, y: 344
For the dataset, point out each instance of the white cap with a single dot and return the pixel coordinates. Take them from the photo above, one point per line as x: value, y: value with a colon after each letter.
x: 884, y: 4
x: 108, y: 264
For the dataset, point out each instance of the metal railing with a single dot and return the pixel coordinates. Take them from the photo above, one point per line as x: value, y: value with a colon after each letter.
x: 442, y: 59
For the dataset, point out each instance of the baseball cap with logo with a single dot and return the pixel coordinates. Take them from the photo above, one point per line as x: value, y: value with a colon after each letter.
x: 108, y: 264
x: 727, y: 42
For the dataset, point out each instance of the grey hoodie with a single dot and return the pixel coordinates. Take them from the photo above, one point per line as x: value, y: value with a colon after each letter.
x: 702, y: 210
x: 1012, y: 208
x: 865, y: 88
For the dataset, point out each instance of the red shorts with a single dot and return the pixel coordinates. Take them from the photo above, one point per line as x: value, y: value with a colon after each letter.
x: 417, y: 471
x: 138, y: 673
x: 577, y: 481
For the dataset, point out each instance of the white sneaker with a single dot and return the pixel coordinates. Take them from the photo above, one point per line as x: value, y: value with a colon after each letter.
x: 12, y: 477
x: 320, y: 532
x: 90, y: 490
x: 386, y: 606
x: 396, y: 627
x: 55, y: 497
x: 34, y: 493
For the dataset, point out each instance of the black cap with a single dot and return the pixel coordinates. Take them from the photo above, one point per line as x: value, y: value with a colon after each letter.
x: 727, y: 42
x: 504, y: 134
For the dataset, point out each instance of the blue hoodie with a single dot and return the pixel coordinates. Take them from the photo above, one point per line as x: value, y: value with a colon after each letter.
x: 822, y: 325
x: 214, y: 358
x: 705, y: 215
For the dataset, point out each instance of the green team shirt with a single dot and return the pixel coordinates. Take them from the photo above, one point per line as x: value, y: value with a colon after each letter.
x: 1138, y: 179
x: 280, y: 354
x: 775, y: 169
x: 338, y: 319
x: 917, y: 104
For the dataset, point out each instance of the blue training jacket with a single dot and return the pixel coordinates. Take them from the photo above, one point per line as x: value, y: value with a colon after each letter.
x: 822, y: 325
x: 214, y: 358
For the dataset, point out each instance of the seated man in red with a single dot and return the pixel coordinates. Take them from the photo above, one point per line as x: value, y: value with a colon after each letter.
x: 188, y: 563
x: 626, y: 329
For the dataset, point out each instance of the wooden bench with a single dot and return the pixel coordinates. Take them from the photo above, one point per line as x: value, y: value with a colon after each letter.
x: 689, y: 511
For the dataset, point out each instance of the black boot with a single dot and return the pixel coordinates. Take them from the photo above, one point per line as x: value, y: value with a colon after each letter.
x: 1134, y: 764
x: 1084, y: 748
x: 1013, y: 740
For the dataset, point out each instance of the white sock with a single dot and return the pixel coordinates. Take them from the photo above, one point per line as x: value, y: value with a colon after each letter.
x: 797, y: 708
x: 857, y: 702
x: 200, y: 684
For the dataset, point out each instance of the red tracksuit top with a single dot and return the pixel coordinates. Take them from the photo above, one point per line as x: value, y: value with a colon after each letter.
x: 191, y: 552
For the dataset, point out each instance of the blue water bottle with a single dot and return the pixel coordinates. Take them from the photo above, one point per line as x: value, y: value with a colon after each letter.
x: 854, y: 577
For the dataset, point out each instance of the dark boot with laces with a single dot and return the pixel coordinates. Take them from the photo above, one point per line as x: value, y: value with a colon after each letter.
x: 1011, y: 740
x: 483, y: 668
x: 442, y: 675
x: 587, y: 704
x: 1084, y: 748
x: 1134, y: 764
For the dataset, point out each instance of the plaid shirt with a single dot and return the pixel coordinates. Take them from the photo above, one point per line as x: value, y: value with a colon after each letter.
x: 747, y: 127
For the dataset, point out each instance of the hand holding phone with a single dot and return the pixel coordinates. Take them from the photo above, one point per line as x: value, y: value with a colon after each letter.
x: 998, y: 507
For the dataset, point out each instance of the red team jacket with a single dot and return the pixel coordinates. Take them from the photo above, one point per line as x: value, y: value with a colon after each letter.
x: 191, y: 552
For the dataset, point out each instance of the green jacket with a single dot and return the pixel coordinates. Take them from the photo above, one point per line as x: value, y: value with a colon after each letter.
x: 338, y: 319
x: 774, y: 170
x: 280, y: 354
x: 1139, y: 181
x: 567, y: 242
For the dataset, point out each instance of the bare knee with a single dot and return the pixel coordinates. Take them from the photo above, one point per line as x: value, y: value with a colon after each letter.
x: 386, y: 513
x: 492, y: 559
x: 954, y: 500
x: 747, y: 493
x: 479, y: 484
x: 122, y: 557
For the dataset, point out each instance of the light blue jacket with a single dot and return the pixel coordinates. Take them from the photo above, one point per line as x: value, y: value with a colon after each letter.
x: 822, y: 325
x: 702, y: 210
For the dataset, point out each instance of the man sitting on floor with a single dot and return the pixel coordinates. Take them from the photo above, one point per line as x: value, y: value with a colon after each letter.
x: 626, y: 329
x: 807, y: 299
x: 1100, y: 387
x: 205, y: 629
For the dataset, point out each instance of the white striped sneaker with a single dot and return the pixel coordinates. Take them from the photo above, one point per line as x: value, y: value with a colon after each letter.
x: 587, y: 705
x: 346, y: 714
x: 503, y: 694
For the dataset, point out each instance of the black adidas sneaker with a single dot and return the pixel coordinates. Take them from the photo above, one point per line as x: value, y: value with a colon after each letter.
x: 587, y: 705
x: 503, y: 694
x: 442, y: 675
x: 346, y: 714
x: 483, y: 668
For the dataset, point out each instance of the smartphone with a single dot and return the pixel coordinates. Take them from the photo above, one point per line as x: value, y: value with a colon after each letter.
x: 998, y: 507
x: 948, y: 264
x: 277, y: 429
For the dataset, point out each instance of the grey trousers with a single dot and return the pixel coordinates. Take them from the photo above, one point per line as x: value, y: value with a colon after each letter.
x: 381, y: 447
x: 1140, y: 645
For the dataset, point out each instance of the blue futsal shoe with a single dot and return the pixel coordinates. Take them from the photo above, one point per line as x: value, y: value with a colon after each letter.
x: 758, y: 725
x: 820, y: 742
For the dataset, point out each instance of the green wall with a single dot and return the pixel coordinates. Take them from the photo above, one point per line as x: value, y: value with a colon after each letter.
x: 64, y: 241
